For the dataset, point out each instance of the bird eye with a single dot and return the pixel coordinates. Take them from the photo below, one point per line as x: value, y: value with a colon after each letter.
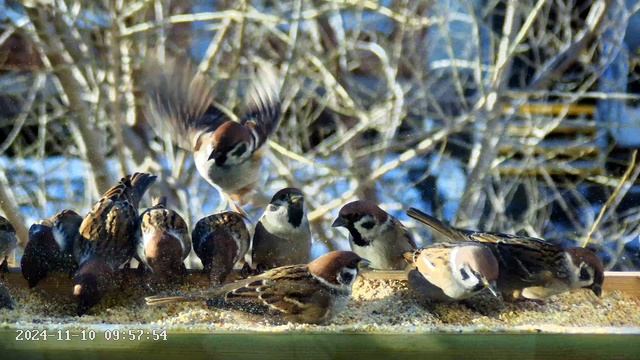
x: 464, y: 274
x: 368, y: 225
x: 584, y: 274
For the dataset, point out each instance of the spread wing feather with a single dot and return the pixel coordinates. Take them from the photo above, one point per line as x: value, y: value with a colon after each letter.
x: 264, y: 107
x: 180, y: 102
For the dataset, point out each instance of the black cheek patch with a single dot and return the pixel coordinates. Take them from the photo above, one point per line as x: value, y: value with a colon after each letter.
x: 584, y: 274
x: 357, y: 238
x: 240, y: 150
x: 368, y: 225
x: 295, y: 215
x: 346, y: 277
x: 464, y: 274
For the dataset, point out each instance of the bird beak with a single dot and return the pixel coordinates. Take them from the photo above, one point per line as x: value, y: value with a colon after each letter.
x: 339, y: 222
x: 364, y: 264
x: 492, y: 287
x: 597, y: 289
x: 217, y: 157
x: 296, y: 198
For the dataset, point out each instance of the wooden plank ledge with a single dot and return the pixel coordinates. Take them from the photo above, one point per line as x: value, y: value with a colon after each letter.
x: 61, y: 284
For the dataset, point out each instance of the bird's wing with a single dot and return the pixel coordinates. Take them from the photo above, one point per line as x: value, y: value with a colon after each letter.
x: 433, y: 263
x: 449, y: 233
x: 530, y: 258
x: 286, y: 290
x: 263, y: 107
x: 534, y: 260
x: 290, y: 292
x: 180, y: 102
x: 225, y: 222
x: 404, y: 233
x: 111, y: 227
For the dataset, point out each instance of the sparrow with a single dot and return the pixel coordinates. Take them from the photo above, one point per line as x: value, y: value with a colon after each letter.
x: 375, y: 235
x: 530, y: 268
x: 165, y: 242
x: 311, y: 293
x: 282, y: 235
x: 227, y: 153
x: 220, y: 241
x: 109, y: 237
x: 50, y: 247
x: 452, y: 271
x: 8, y: 242
x: 6, y: 301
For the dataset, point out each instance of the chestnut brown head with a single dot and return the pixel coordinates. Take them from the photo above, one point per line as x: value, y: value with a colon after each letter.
x: 232, y: 144
x: 364, y: 220
x: 338, y: 269
x: 588, y: 270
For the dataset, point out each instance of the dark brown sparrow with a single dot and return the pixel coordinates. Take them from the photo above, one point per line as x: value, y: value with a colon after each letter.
x: 529, y: 267
x: 8, y: 242
x: 165, y: 242
x: 227, y: 153
x: 6, y: 301
x: 220, y: 241
x: 109, y: 236
x: 375, y: 235
x: 452, y: 271
x: 311, y: 293
x: 282, y: 235
x: 50, y: 247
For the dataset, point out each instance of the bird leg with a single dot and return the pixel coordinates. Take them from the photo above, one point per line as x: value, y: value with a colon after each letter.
x: 233, y: 202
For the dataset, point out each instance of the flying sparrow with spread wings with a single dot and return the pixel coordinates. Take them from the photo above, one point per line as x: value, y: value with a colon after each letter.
x: 375, y: 235
x: 227, y: 154
x: 109, y: 236
x: 282, y: 235
x: 311, y: 293
x: 529, y: 267
x: 50, y: 247
x: 452, y: 271
x: 221, y: 241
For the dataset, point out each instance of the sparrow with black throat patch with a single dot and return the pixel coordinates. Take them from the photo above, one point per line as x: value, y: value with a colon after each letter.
x: 452, y: 271
x: 312, y: 293
x: 375, y: 235
x: 227, y: 153
x: 221, y: 241
x: 50, y: 247
x: 165, y: 242
x: 282, y: 235
x: 8, y: 242
x: 531, y: 268
x: 109, y: 236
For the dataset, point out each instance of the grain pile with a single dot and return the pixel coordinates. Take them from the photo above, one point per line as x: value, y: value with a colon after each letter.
x: 376, y: 306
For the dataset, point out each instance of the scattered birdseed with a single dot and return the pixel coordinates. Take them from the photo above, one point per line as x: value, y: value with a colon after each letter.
x: 376, y: 306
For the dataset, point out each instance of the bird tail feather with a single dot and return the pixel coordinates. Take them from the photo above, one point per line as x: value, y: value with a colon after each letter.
x: 163, y: 300
x: 140, y: 183
x: 446, y: 231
